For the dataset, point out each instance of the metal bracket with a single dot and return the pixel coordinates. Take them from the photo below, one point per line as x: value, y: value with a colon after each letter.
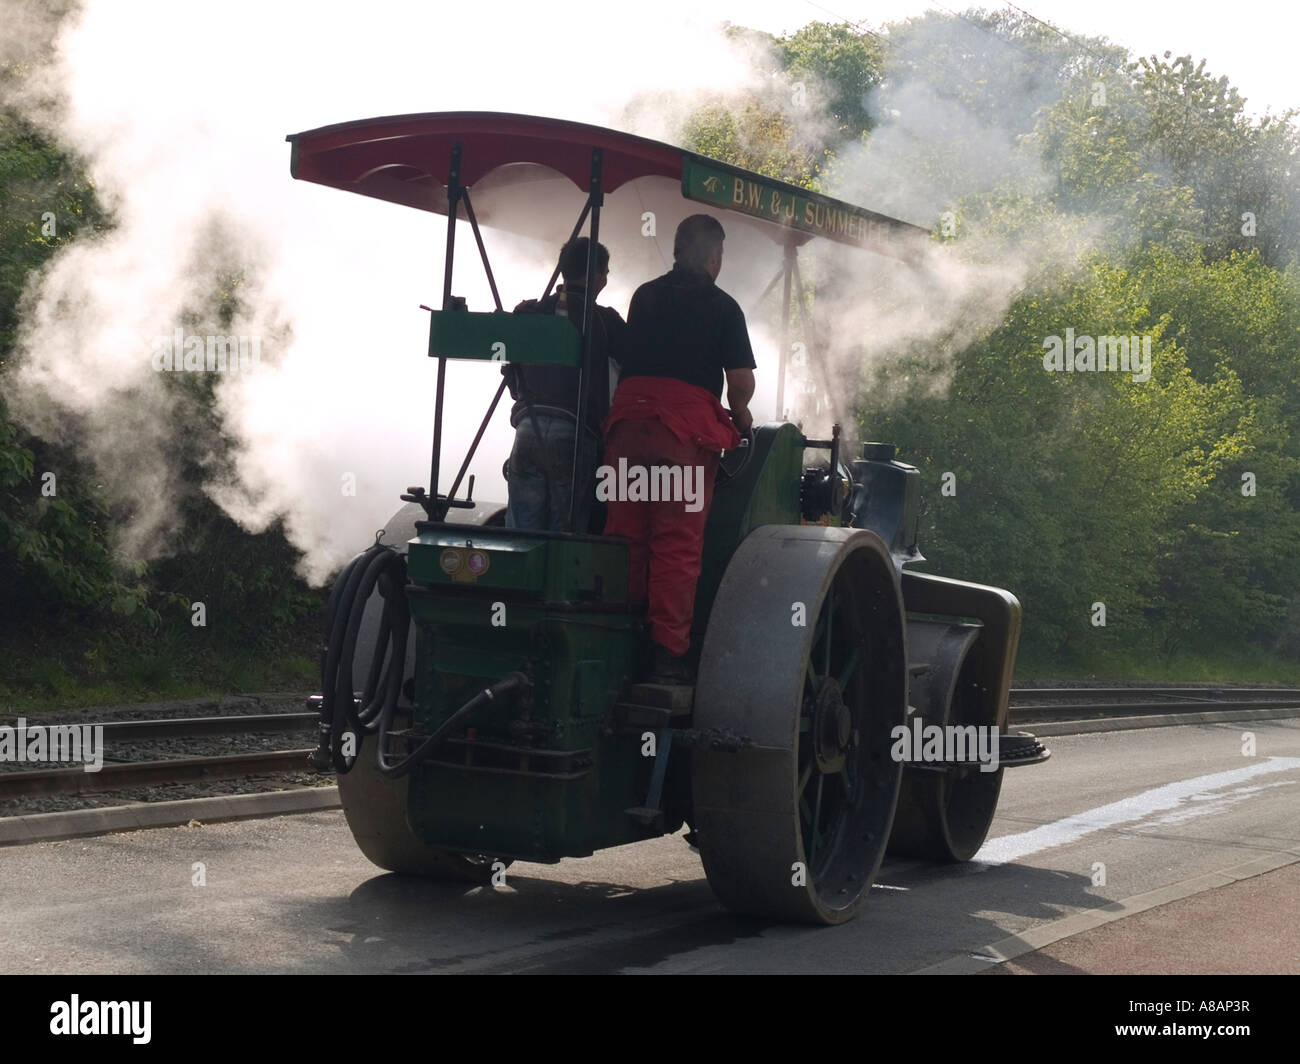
x: 717, y: 739
x: 651, y: 815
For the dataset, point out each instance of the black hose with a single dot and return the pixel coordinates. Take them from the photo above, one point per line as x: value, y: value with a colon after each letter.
x: 510, y: 682
x: 395, y: 622
x: 384, y: 568
x: 321, y: 757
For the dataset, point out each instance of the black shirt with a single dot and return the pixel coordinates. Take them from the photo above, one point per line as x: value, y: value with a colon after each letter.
x: 689, y: 328
x: 554, y: 389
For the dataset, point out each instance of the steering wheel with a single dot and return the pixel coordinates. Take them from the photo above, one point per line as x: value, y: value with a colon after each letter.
x: 733, y: 462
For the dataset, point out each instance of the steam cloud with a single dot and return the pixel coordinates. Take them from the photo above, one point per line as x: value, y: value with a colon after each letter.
x: 181, y: 112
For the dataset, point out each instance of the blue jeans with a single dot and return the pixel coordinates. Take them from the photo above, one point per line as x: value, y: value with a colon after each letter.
x: 539, y: 472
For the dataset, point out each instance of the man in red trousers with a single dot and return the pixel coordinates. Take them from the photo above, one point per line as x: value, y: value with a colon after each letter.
x: 667, y: 419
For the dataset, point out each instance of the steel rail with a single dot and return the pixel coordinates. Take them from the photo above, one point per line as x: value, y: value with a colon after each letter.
x: 1220, y: 692
x: 185, y: 727
x: 148, y: 773
x: 1021, y: 714
x: 1123, y: 702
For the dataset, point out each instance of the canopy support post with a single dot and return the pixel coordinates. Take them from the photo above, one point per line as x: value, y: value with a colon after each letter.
x: 811, y: 338
x: 788, y: 273
x: 435, y: 507
x: 595, y: 198
x: 768, y: 290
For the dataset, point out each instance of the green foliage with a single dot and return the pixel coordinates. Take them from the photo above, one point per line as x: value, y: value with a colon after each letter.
x: 839, y: 68
x: 79, y: 622
x: 1074, y: 488
x: 45, y: 201
x: 822, y: 79
x: 997, y: 68
x: 755, y: 137
x: 1169, y: 148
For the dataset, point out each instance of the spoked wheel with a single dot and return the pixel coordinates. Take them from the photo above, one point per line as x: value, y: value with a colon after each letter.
x: 375, y: 807
x: 946, y: 815
x: 805, y: 655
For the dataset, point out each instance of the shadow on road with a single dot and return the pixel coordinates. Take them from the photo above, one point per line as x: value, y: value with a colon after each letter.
x: 532, y: 924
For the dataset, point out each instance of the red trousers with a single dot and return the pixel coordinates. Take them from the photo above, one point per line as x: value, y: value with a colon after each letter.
x: 665, y: 538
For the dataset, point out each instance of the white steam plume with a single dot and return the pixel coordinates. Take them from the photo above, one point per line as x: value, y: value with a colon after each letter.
x: 181, y: 111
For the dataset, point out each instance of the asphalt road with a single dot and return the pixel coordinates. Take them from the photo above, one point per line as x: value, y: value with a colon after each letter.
x: 1145, y: 809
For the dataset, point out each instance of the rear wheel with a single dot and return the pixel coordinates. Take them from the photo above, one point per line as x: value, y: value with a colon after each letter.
x: 805, y: 655
x: 946, y: 815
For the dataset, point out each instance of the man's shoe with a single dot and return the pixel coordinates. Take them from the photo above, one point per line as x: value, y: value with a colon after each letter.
x: 666, y: 668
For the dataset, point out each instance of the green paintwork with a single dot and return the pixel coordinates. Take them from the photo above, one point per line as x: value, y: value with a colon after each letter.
x: 529, y: 566
x: 501, y: 337
x: 766, y: 493
x: 580, y: 661
x: 556, y: 605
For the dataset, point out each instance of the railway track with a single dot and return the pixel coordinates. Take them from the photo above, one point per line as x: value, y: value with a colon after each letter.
x: 161, y: 771
x: 1029, y: 706
x: 193, y: 727
x: 149, y: 773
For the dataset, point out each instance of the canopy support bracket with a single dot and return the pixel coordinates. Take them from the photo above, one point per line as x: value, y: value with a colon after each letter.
x: 482, y: 251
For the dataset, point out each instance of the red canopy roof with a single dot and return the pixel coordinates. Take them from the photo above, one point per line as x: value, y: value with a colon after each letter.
x: 405, y: 159
x: 410, y: 153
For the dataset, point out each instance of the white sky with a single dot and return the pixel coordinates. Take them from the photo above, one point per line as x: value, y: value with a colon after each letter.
x: 1251, y: 41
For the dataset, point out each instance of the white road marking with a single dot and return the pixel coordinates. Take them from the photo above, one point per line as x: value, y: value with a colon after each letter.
x: 1212, y: 804
x: 1158, y: 800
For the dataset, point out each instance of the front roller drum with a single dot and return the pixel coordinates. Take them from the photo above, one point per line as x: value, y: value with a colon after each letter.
x: 375, y: 807
x: 805, y: 655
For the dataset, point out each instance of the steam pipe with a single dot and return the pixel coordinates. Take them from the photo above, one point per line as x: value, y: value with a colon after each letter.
x: 421, y: 753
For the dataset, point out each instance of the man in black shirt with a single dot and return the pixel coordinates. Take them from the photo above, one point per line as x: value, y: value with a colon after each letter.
x: 691, y: 330
x: 667, y: 416
x: 540, y: 468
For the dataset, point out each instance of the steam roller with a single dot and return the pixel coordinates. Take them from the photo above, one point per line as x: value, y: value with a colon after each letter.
x: 815, y: 646
x: 483, y: 688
